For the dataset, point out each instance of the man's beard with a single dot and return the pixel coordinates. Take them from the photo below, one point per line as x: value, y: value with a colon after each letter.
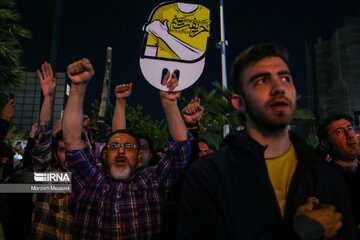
x: 338, y: 155
x: 269, y: 125
x: 118, y: 174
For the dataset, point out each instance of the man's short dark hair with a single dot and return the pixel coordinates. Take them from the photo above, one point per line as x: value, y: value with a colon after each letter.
x: 252, y: 55
x: 203, y: 140
x: 126, y: 132
x: 323, y: 128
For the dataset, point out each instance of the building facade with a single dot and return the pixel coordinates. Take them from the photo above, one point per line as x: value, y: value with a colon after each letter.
x: 336, y: 78
x: 28, y: 100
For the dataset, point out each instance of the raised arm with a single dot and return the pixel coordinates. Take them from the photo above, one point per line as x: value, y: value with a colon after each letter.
x: 193, y: 111
x: 122, y: 92
x: 176, y: 124
x: 48, y: 85
x: 79, y: 73
x: 42, y: 150
x: 192, y: 114
x: 58, y: 125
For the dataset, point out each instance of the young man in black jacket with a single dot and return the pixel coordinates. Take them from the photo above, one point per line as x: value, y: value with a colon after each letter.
x: 264, y: 183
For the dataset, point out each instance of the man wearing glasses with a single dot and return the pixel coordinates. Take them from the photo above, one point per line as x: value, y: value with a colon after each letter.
x: 118, y: 201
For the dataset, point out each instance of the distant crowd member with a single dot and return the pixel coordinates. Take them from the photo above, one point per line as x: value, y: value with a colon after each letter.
x: 15, y: 211
x: 18, y: 156
x: 146, y: 149
x: 6, y: 153
x: 264, y: 182
x: 337, y: 136
x: 118, y: 201
x: 52, y: 216
x: 122, y: 92
x: 203, y: 147
x: 7, y: 225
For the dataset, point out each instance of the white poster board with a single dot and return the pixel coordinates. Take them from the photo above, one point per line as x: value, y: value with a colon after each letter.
x: 175, y: 40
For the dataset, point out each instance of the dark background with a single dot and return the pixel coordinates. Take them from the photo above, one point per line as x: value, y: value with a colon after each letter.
x: 86, y: 28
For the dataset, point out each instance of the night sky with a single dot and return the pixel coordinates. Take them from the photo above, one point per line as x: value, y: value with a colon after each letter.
x: 88, y: 27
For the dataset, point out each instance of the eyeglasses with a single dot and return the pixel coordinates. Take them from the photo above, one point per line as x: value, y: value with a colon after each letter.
x: 116, y: 146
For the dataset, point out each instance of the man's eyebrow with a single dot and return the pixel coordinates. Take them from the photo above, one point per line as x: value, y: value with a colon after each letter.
x: 347, y: 126
x: 260, y: 74
x: 284, y: 72
x: 342, y: 128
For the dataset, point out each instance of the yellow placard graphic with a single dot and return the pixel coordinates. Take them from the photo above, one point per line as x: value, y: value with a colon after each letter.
x: 179, y: 35
x: 175, y: 40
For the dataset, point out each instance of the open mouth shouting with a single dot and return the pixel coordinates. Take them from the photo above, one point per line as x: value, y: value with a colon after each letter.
x: 120, y: 161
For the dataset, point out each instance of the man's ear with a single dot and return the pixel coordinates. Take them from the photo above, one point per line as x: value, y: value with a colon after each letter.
x: 238, y: 102
x: 324, y: 144
x: 138, y: 159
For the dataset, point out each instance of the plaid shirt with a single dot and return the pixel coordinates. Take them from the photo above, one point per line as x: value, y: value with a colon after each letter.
x: 52, y: 216
x: 119, y: 209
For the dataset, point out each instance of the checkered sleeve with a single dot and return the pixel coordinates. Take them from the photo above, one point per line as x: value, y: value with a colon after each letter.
x: 42, y: 150
x: 83, y: 167
x: 171, y: 167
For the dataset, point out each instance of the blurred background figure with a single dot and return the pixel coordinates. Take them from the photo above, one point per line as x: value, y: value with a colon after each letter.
x: 203, y: 148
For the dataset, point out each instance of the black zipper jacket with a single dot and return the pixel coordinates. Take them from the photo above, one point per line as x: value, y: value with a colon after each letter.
x: 228, y: 194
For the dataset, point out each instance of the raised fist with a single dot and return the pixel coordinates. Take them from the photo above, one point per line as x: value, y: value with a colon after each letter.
x: 123, y: 91
x: 193, y: 111
x: 80, y: 72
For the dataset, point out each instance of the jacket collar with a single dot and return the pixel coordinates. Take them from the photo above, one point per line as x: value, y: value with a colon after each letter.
x: 242, y: 141
x: 306, y: 156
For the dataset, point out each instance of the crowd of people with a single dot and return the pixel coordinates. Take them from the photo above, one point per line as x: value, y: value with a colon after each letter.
x: 264, y: 182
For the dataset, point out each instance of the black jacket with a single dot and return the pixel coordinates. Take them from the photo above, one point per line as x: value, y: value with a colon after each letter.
x: 352, y: 179
x: 228, y: 194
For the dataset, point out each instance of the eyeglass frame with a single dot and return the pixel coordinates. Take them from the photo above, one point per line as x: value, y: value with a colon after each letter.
x: 133, y: 146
